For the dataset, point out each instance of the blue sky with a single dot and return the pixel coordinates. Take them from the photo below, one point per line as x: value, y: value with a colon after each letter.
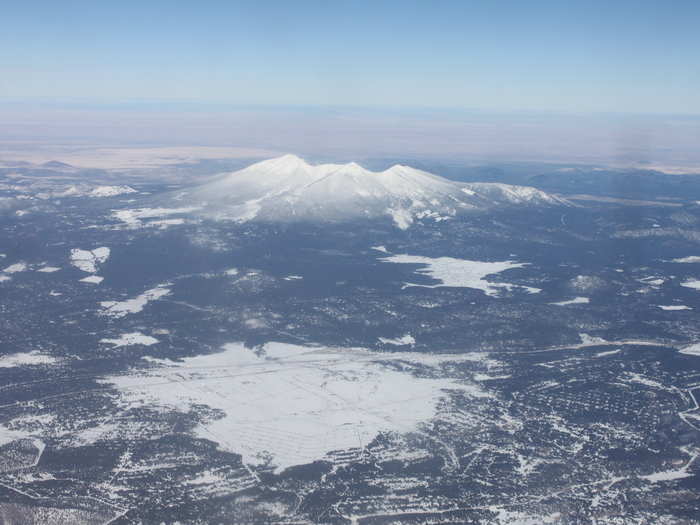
x: 564, y: 56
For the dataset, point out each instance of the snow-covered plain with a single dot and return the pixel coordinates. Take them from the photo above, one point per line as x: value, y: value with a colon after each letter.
x: 48, y: 269
x: 406, y: 339
x: 689, y: 259
x: 461, y: 273
x: 151, y: 217
x: 87, y: 260
x: 16, y: 268
x: 289, y: 404
x: 134, y: 305
x: 132, y: 338
x: 92, y: 279
x: 691, y: 283
x: 26, y: 359
x: 575, y: 300
x: 693, y: 349
x: 111, y: 191
x: 673, y: 307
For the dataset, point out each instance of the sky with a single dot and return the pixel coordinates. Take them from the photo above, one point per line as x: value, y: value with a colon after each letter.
x: 495, y: 56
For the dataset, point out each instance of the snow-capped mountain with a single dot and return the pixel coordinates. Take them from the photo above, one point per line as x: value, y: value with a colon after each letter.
x: 289, y: 188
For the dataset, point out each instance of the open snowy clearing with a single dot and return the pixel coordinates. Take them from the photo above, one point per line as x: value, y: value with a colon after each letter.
x: 689, y: 259
x: 693, y: 349
x: 691, y: 283
x: 92, y: 279
x: 461, y: 273
x: 138, y: 218
x: 111, y: 191
x: 16, y: 268
x: 673, y: 307
x: 289, y: 404
x: 132, y: 306
x: 48, y: 269
x: 87, y: 260
x: 25, y: 359
x: 133, y: 338
x: 575, y: 300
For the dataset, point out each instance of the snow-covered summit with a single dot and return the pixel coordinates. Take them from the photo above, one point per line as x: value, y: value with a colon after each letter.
x: 289, y: 188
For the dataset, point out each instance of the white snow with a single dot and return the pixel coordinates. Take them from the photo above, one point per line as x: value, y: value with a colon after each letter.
x: 8, y: 436
x: 691, y: 283
x: 48, y: 269
x: 231, y: 271
x: 607, y: 352
x: 290, y: 189
x: 132, y: 306
x: 407, y: 339
x: 293, y: 278
x: 134, y: 218
x: 575, y: 300
x: 461, y: 273
x: 634, y: 377
x: 668, y: 475
x: 87, y: 260
x: 402, y: 217
x: 693, y: 349
x: 111, y: 191
x: 133, y: 338
x: 590, y: 340
x: 689, y: 259
x: 16, y: 268
x: 92, y: 279
x: 291, y: 404
x: 25, y: 359
x: 673, y: 307
x: 380, y: 249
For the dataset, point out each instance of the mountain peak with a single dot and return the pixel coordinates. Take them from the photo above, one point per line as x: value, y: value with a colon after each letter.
x: 287, y: 188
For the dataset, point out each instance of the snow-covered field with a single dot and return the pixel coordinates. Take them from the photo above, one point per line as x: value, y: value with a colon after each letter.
x: 290, y: 404
x: 461, y: 273
x: 111, y: 191
x: 673, y: 307
x: 134, y: 305
x: 25, y: 359
x: 151, y: 217
x: 693, y: 349
x: 691, y: 283
x: 132, y: 338
x: 575, y: 300
x: 87, y: 260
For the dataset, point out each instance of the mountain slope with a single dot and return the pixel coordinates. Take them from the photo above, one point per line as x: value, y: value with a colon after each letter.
x: 288, y: 188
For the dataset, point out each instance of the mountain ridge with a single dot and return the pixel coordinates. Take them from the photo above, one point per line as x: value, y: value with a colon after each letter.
x: 289, y: 188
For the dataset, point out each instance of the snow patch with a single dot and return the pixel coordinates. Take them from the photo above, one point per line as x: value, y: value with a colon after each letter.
x: 691, y: 283
x: 26, y: 359
x: 693, y: 349
x: 133, y: 338
x: 673, y: 307
x: 131, y: 306
x: 111, y: 191
x: 575, y: 300
x: 134, y: 218
x: 92, y: 279
x: 461, y: 273
x: 48, y: 269
x: 16, y: 268
x: 407, y: 339
x: 291, y: 405
x: 87, y: 260
x: 689, y: 259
